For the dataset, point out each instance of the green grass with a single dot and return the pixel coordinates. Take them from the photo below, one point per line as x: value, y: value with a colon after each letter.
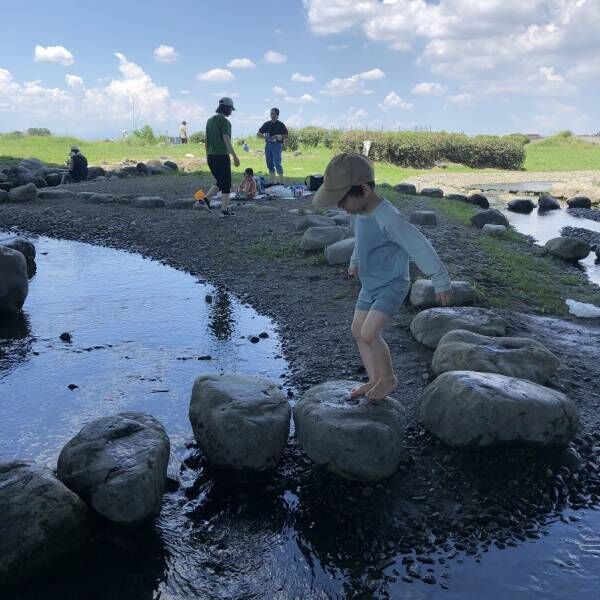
x: 559, y: 153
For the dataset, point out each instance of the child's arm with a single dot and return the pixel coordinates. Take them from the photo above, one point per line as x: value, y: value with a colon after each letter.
x: 252, y: 190
x: 400, y: 231
x: 353, y: 267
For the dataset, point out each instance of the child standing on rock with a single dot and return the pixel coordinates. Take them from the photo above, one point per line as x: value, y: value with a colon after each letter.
x: 384, y: 243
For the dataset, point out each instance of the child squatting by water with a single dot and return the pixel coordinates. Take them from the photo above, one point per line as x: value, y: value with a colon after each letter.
x: 385, y: 242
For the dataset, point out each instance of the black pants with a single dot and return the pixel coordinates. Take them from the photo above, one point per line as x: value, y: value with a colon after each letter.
x: 184, y: 140
x: 220, y: 167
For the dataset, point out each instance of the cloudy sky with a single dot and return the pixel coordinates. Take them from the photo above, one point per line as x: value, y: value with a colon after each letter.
x: 493, y: 66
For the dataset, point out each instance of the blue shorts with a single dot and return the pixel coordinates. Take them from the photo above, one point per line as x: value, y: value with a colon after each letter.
x: 386, y: 300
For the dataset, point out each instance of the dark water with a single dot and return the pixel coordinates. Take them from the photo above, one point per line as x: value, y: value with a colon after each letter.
x: 132, y: 321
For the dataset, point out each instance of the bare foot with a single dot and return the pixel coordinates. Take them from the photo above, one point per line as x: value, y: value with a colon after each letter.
x: 362, y: 390
x: 382, y: 388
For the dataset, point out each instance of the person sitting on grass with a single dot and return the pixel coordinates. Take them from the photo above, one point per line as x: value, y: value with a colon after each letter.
x: 247, y: 188
x: 384, y: 243
x: 78, y: 167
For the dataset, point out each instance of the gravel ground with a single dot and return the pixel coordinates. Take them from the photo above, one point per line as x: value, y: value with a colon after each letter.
x: 466, y: 500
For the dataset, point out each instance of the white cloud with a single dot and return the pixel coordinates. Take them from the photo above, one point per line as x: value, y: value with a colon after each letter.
x: 304, y: 99
x: 73, y: 81
x: 353, y: 115
x: 462, y: 100
x: 337, y: 47
x: 302, y: 78
x: 392, y: 100
x: 429, y: 89
x: 279, y: 91
x: 372, y: 74
x: 550, y: 76
x: 225, y: 94
x: 165, y: 54
x: 185, y: 92
x: 274, y: 58
x: 554, y: 116
x: 55, y: 54
x: 346, y: 86
x: 241, y: 63
x: 216, y: 75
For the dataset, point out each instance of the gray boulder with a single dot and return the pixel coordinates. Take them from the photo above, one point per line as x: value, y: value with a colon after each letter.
x: 318, y: 238
x: 432, y: 192
x: 240, y: 422
x: 27, y: 249
x: 546, y: 203
x: 579, y: 202
x: 461, y: 350
x: 148, y: 202
x: 314, y: 221
x: 60, y: 194
x: 521, y: 205
x: 141, y: 168
x: 3, y: 196
x: 478, y: 200
x: 343, y: 219
x: 95, y: 172
x: 169, y: 164
x: 494, y: 230
x: 14, y: 284
x: 340, y: 252
x: 118, y: 465
x: 97, y: 198
x: 405, y: 188
x: 431, y: 325
x: 41, y: 521
x: 356, y: 439
x: 490, y: 216
x: 53, y: 179
x: 423, y: 294
x: 23, y: 193
x: 84, y: 195
x: 457, y: 197
x: 40, y: 182
x: 32, y: 164
x: 423, y: 217
x: 568, y: 248
x: 473, y: 410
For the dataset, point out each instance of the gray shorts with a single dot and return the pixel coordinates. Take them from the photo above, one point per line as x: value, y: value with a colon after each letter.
x: 386, y: 300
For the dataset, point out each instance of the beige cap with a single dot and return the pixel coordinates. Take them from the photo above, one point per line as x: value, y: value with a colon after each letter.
x: 343, y: 172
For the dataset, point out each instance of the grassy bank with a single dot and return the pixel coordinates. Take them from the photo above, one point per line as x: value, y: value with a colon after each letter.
x: 559, y: 153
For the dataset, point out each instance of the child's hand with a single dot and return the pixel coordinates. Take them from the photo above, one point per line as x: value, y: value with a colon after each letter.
x: 352, y: 271
x: 443, y: 298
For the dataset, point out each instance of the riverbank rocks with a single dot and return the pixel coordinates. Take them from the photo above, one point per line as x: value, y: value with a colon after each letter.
x: 32, y: 164
x: 521, y: 205
x: 432, y: 192
x: 461, y: 350
x: 41, y: 521
x: 423, y: 217
x: 3, y: 196
x: 54, y: 194
x: 23, y: 193
x: 490, y: 216
x: 431, y: 325
x: 148, y: 202
x: 340, y: 252
x: 405, y: 188
x: 356, y: 439
x: 494, y: 230
x: 98, y: 198
x: 457, y: 197
x: 422, y: 293
x: 318, y: 238
x: 118, y: 465
x: 473, y: 410
x: 314, y: 221
x: 343, y: 219
x: 27, y: 249
x: 478, y: 200
x: 568, y: 248
x: 240, y: 422
x: 95, y: 172
x: 579, y: 202
x: 546, y: 203
x: 14, y: 283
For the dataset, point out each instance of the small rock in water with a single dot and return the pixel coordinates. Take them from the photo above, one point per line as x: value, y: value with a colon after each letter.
x: 205, y: 357
x: 254, y: 339
x: 66, y: 336
x: 208, y: 298
x: 264, y: 335
x: 72, y: 386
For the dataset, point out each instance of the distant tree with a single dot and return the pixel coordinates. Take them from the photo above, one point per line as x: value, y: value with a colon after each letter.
x: 39, y: 131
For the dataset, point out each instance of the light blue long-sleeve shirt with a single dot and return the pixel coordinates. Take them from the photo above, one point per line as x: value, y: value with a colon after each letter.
x: 385, y: 241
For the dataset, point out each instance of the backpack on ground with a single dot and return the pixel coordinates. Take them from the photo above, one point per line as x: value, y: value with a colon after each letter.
x: 313, y: 182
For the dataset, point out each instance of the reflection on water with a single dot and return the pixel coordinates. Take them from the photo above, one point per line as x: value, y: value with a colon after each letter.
x: 15, y: 341
x: 221, y: 321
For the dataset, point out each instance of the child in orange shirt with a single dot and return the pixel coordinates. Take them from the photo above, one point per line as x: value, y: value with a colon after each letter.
x: 247, y: 189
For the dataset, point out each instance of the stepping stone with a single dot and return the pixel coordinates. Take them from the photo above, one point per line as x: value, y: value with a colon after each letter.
x: 568, y: 248
x: 340, y: 252
x: 14, y: 282
x: 54, y: 194
x: 42, y: 521
x: 148, y: 202
x: 423, y: 217
x: 471, y: 410
x: 490, y: 216
x: 458, y: 197
x: 343, y: 219
x: 309, y: 221
x: 405, y: 188
x: 118, y: 466
x: 98, y: 198
x: 318, y: 238
x: 23, y: 193
x: 240, y: 422
x: 432, y: 192
x: 461, y: 350
x: 521, y: 205
x: 494, y: 230
x: 546, y: 203
x: 356, y: 439
x: 431, y: 325
x: 579, y: 202
x: 478, y: 200
x: 423, y: 294
x: 27, y: 249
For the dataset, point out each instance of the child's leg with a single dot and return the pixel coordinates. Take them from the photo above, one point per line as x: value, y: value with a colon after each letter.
x: 380, y: 354
x: 360, y: 317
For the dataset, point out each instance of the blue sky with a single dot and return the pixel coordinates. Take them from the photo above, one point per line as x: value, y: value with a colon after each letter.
x: 478, y: 66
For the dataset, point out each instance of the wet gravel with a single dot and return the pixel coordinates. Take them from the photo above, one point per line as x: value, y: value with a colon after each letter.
x: 592, y: 214
x: 440, y: 501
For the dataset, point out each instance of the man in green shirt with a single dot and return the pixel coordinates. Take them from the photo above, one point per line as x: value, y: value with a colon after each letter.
x: 218, y: 149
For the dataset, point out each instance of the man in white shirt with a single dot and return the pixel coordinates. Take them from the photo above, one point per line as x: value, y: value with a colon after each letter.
x: 183, y: 132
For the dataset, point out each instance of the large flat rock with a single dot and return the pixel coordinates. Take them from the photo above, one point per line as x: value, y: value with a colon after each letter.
x: 318, y: 238
x: 14, y: 283
x: 422, y: 293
